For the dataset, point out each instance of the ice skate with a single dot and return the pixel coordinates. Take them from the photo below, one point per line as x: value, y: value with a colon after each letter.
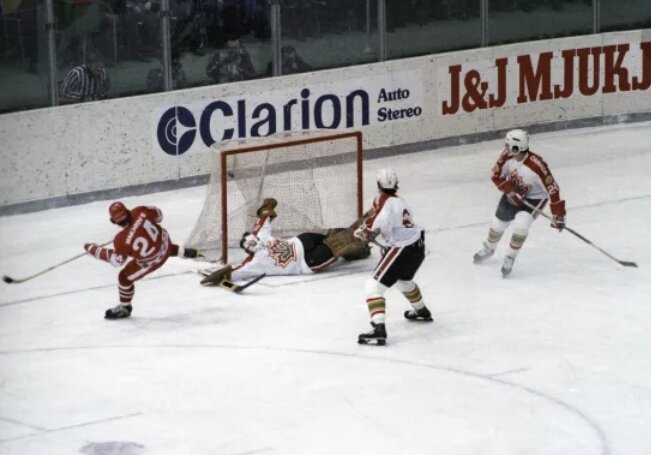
x: 483, y: 254
x: 507, y: 266
x: 118, y: 312
x: 377, y: 336
x: 419, y: 315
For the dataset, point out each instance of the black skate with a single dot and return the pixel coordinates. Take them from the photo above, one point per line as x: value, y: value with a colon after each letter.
x: 419, y: 315
x: 118, y: 312
x: 378, y: 336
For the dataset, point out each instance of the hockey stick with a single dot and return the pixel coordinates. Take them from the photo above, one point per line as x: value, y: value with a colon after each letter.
x: 572, y: 231
x: 225, y: 282
x: 10, y: 280
x: 238, y: 288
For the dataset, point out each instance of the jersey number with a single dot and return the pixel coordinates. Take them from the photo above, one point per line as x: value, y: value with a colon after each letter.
x: 141, y: 244
x: 406, y: 219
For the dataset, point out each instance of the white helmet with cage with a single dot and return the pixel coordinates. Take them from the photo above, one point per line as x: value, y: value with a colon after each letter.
x: 517, y: 141
x: 387, y: 179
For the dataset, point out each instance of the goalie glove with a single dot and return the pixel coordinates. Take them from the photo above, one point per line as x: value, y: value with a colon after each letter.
x: 365, y: 234
x: 267, y: 208
x: 218, y: 276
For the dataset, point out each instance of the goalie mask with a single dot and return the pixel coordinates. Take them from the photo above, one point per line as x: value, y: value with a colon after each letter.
x: 250, y: 243
x: 387, y: 179
x: 119, y: 214
x: 517, y: 141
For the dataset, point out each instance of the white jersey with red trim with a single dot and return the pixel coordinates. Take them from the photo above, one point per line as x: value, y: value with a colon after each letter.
x: 393, y: 217
x: 530, y: 177
x: 276, y: 257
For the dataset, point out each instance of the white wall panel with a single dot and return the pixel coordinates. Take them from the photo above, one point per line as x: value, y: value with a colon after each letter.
x: 98, y: 146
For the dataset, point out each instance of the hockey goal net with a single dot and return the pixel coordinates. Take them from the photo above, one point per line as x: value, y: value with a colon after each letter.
x: 316, y: 179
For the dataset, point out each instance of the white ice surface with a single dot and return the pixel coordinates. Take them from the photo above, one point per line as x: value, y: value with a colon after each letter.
x: 555, y: 359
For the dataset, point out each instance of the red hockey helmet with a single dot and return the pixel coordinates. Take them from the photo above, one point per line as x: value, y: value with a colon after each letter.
x: 119, y: 213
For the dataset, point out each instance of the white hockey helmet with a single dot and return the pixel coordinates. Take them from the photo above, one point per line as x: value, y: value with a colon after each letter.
x: 387, y: 179
x: 517, y: 141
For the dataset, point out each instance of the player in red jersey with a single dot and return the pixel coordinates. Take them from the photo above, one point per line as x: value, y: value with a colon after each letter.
x: 521, y: 175
x: 141, y: 247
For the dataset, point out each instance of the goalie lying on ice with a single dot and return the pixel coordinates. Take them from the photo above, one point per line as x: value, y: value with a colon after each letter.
x: 306, y: 253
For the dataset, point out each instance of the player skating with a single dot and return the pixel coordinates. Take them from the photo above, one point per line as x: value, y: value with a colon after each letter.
x: 520, y: 174
x: 141, y: 247
x: 392, y: 218
x: 304, y: 254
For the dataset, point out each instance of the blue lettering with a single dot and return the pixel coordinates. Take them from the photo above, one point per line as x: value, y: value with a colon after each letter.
x: 350, y: 107
x: 305, y: 109
x: 287, y: 114
x: 382, y: 114
x: 204, y: 124
x: 386, y: 113
x: 241, y: 118
x: 269, y: 120
x: 336, y: 111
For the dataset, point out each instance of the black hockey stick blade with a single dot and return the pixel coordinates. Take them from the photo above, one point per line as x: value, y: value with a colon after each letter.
x: 238, y: 288
x: 8, y: 279
x: 251, y: 282
x: 628, y: 264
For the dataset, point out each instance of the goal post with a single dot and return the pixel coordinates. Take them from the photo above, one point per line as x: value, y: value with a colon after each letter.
x: 316, y: 178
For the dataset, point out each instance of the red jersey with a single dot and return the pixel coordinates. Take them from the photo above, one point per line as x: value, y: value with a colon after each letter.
x: 143, y: 239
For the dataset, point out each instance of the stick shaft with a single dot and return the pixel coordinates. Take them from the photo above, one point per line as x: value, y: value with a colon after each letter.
x: 52, y: 267
x: 572, y: 231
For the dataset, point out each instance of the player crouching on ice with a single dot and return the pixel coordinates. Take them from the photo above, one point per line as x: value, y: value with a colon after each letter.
x: 521, y: 175
x: 142, y: 246
x: 402, y: 256
x: 304, y: 254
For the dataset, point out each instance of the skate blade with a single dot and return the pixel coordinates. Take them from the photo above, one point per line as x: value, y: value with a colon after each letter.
x: 372, y: 342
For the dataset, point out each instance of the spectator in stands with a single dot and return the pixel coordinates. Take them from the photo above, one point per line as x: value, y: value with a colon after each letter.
x: 132, y: 18
x: 155, y: 82
x: 231, y: 63
x: 290, y: 62
x: 79, y: 23
x: 87, y: 82
x: 187, y: 24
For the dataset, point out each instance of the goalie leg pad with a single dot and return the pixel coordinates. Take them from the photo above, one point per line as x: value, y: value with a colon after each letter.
x: 216, y: 277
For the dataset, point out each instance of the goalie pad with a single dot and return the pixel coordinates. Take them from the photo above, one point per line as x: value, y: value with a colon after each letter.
x: 343, y: 244
x: 216, y: 277
x: 359, y: 221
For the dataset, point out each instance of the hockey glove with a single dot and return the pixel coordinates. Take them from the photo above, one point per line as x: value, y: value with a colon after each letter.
x: 514, y: 199
x: 558, y: 222
x: 191, y: 253
x: 365, y: 234
x: 91, y: 248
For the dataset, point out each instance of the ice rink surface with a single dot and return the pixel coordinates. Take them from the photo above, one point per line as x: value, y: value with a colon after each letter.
x: 556, y: 359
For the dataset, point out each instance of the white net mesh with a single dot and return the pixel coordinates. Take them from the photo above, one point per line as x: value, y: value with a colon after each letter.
x: 315, y: 184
